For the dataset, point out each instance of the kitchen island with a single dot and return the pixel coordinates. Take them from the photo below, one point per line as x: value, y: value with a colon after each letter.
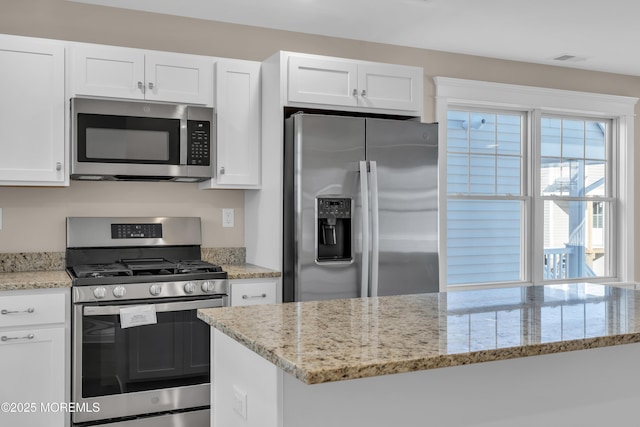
x: 528, y: 356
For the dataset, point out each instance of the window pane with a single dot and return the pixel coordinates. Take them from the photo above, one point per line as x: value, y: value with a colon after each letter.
x: 509, y: 135
x: 457, y: 136
x: 573, y: 138
x: 484, y: 143
x: 483, y: 175
x: 457, y: 173
x: 574, y: 244
x: 573, y: 158
x: 484, y: 241
x: 594, y: 178
x: 508, y: 180
x: 551, y: 137
x: 560, y: 177
x: 482, y: 133
x: 595, y: 140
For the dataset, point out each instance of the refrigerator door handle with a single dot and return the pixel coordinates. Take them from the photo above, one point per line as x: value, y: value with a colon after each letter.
x: 375, y: 228
x: 364, y: 196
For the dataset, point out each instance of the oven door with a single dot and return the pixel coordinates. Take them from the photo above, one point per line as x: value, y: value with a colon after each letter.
x: 140, y: 370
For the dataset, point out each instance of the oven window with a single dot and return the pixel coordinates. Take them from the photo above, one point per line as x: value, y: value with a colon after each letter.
x: 172, y: 353
x: 121, y: 139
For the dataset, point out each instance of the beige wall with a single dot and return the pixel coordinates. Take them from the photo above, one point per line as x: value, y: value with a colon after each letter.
x: 59, y: 19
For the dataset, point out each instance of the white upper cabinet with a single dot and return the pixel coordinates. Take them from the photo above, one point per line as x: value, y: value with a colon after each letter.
x: 32, y: 112
x: 237, y: 105
x: 323, y: 81
x: 356, y: 85
x: 391, y: 87
x: 178, y: 78
x: 108, y: 71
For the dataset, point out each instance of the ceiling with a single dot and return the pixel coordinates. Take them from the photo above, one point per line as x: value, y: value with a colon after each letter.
x: 598, y: 35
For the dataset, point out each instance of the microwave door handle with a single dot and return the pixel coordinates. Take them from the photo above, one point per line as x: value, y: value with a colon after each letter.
x: 184, y: 136
x: 110, y: 310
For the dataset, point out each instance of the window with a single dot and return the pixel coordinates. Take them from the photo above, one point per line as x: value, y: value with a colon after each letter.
x: 484, y: 187
x: 536, y: 187
x: 573, y: 166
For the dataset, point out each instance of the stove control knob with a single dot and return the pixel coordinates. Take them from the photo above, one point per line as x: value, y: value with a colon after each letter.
x: 100, y: 292
x: 189, y: 287
x: 155, y: 289
x: 208, y: 286
x: 119, y: 291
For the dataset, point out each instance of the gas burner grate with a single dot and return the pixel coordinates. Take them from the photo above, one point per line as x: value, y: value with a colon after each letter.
x: 150, y: 266
x: 101, y: 270
x: 196, y: 266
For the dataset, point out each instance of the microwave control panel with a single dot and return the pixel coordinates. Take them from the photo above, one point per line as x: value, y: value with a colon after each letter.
x: 199, y: 146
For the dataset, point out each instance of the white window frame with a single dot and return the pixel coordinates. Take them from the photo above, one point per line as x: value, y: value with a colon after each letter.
x: 452, y: 93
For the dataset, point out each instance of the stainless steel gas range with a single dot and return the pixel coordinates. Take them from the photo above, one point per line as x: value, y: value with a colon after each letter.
x: 139, y: 353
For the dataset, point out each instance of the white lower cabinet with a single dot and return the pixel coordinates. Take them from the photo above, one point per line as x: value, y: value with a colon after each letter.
x: 34, y: 354
x: 253, y: 291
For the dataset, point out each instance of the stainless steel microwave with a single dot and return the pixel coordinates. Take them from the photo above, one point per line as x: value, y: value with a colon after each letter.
x: 140, y: 141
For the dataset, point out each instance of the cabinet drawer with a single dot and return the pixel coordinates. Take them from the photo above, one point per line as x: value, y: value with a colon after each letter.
x: 253, y: 293
x: 22, y: 310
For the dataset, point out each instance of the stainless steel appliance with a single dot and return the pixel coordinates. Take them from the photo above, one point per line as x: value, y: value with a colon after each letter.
x: 360, y: 208
x: 139, y: 353
x: 144, y: 141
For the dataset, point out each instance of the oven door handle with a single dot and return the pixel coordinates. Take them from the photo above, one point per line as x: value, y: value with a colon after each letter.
x: 110, y: 310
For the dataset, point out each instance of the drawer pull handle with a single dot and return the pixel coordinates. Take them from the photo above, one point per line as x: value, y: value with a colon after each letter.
x: 28, y: 310
x: 28, y: 337
x: 254, y: 296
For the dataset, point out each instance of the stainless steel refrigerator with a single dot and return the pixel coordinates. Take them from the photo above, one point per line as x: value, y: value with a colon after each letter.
x: 360, y: 207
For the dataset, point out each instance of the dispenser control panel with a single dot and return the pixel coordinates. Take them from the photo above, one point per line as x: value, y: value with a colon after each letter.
x: 334, y: 207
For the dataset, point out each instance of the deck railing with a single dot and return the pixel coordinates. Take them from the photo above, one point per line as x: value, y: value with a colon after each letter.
x: 557, y: 264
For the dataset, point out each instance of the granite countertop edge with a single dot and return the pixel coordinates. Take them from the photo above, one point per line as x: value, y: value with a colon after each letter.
x: 344, y: 339
x: 357, y: 371
x: 25, y: 280
x: 248, y: 271
x: 51, y: 279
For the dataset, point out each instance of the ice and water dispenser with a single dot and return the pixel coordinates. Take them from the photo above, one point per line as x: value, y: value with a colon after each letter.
x: 334, y: 236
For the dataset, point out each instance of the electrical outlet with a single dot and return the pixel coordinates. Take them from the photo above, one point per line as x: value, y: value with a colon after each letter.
x: 240, y: 402
x: 227, y: 217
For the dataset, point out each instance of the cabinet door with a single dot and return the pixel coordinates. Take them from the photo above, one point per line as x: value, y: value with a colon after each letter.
x: 178, y: 78
x: 238, y: 123
x: 107, y: 71
x: 322, y: 81
x: 32, y: 141
x: 392, y: 87
x: 33, y: 377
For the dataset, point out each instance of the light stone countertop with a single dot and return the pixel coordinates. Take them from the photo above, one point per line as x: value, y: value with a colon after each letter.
x: 248, y: 271
x: 41, y: 270
x: 34, y: 280
x: 324, y: 341
x: 23, y: 280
